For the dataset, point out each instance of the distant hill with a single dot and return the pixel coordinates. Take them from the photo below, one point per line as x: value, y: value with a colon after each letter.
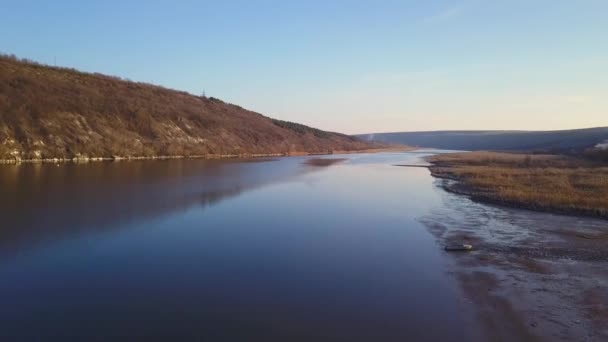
x: 563, y: 141
x: 49, y: 112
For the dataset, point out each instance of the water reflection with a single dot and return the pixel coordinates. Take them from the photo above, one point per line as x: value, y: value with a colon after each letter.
x: 225, y: 251
x: 42, y: 201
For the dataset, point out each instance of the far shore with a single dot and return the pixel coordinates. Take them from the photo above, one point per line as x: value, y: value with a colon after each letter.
x: 208, y: 156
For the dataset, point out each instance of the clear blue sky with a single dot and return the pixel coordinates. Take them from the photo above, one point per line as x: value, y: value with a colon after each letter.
x: 349, y: 66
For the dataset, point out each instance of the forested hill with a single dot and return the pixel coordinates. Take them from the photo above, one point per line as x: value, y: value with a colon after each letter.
x: 49, y: 112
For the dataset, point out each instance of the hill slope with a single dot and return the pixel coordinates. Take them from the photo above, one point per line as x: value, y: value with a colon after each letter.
x: 566, y: 140
x: 48, y: 112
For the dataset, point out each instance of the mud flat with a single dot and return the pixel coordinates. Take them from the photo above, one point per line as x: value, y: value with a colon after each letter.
x: 532, y: 275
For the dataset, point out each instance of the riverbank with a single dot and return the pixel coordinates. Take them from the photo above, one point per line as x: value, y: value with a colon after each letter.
x: 207, y: 156
x: 133, y: 158
x: 550, y: 183
x: 532, y: 275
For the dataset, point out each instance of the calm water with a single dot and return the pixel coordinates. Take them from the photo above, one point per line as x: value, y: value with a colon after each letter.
x: 265, y: 250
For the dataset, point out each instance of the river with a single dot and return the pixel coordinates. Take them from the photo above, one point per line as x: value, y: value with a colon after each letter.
x: 228, y: 250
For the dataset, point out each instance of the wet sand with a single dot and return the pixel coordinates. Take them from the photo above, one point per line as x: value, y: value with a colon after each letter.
x: 532, y: 276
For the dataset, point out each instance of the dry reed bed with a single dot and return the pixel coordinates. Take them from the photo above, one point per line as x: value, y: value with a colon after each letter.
x: 539, y: 182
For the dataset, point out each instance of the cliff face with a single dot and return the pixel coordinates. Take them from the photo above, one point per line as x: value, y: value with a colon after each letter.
x: 48, y: 112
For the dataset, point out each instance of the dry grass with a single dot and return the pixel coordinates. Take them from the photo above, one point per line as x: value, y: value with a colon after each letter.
x: 540, y: 182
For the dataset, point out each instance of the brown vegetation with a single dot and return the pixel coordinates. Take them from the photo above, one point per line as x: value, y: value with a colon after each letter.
x: 539, y: 182
x: 48, y: 112
x: 597, y: 154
